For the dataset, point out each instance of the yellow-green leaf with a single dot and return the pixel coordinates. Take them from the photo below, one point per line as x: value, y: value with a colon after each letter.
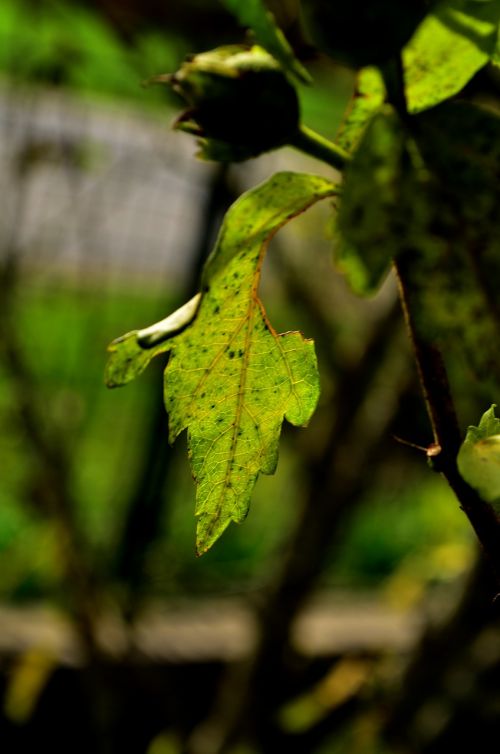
x: 368, y: 97
x: 455, y: 40
x: 231, y: 379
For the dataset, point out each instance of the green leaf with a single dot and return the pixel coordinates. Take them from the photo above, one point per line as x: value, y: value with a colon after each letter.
x: 479, y: 458
x: 434, y: 201
x: 378, y: 200
x: 368, y: 97
x: 128, y: 359
x: 231, y: 379
x: 460, y: 144
x: 254, y: 14
x: 449, y: 47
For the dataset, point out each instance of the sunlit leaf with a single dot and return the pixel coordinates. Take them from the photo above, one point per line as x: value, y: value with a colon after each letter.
x: 450, y: 46
x: 479, y: 458
x: 255, y: 15
x: 368, y: 97
x: 231, y: 379
x: 128, y: 359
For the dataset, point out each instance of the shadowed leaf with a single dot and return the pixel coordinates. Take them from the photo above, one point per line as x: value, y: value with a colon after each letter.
x: 435, y: 202
x: 460, y: 145
x: 377, y: 200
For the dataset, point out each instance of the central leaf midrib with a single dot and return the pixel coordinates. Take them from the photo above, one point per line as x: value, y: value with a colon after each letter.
x: 253, y: 301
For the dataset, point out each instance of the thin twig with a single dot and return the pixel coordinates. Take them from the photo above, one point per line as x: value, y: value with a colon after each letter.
x: 249, y: 694
x: 442, y: 415
x: 433, y: 375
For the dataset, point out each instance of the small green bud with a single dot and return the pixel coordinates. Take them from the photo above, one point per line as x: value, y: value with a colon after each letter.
x: 240, y: 103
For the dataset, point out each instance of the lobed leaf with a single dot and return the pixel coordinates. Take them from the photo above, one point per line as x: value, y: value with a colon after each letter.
x: 231, y: 379
x: 255, y: 15
x: 455, y: 40
x: 479, y: 458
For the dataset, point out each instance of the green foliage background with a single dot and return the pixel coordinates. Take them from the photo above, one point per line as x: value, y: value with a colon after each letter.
x: 73, y: 47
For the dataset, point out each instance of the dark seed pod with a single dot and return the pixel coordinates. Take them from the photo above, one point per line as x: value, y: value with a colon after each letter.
x: 240, y: 102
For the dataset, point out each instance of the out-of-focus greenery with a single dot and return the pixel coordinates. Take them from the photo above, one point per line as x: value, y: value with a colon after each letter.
x: 67, y: 44
x: 399, y: 533
x: 66, y: 352
x: 414, y: 530
x: 405, y: 536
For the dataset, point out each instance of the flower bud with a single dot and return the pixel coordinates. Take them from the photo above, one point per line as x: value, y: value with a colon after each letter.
x: 240, y: 103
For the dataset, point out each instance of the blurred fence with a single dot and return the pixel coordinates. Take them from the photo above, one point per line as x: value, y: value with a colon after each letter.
x: 88, y: 186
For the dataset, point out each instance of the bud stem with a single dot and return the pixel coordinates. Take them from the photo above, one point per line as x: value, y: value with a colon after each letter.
x: 315, y: 145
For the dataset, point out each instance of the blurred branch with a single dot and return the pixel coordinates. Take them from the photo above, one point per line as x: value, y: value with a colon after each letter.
x: 432, y: 371
x: 54, y: 470
x: 441, y: 411
x: 302, y: 295
x: 250, y: 695
x: 47, y: 444
x: 442, y: 647
x: 147, y: 500
x: 312, y: 738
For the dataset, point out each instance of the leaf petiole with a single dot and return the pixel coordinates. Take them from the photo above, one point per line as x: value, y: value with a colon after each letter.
x: 315, y: 145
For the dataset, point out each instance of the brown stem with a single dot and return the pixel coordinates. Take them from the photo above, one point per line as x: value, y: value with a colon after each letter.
x: 442, y: 415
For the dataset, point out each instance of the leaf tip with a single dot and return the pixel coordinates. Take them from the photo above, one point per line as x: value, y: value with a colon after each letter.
x: 208, y: 530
